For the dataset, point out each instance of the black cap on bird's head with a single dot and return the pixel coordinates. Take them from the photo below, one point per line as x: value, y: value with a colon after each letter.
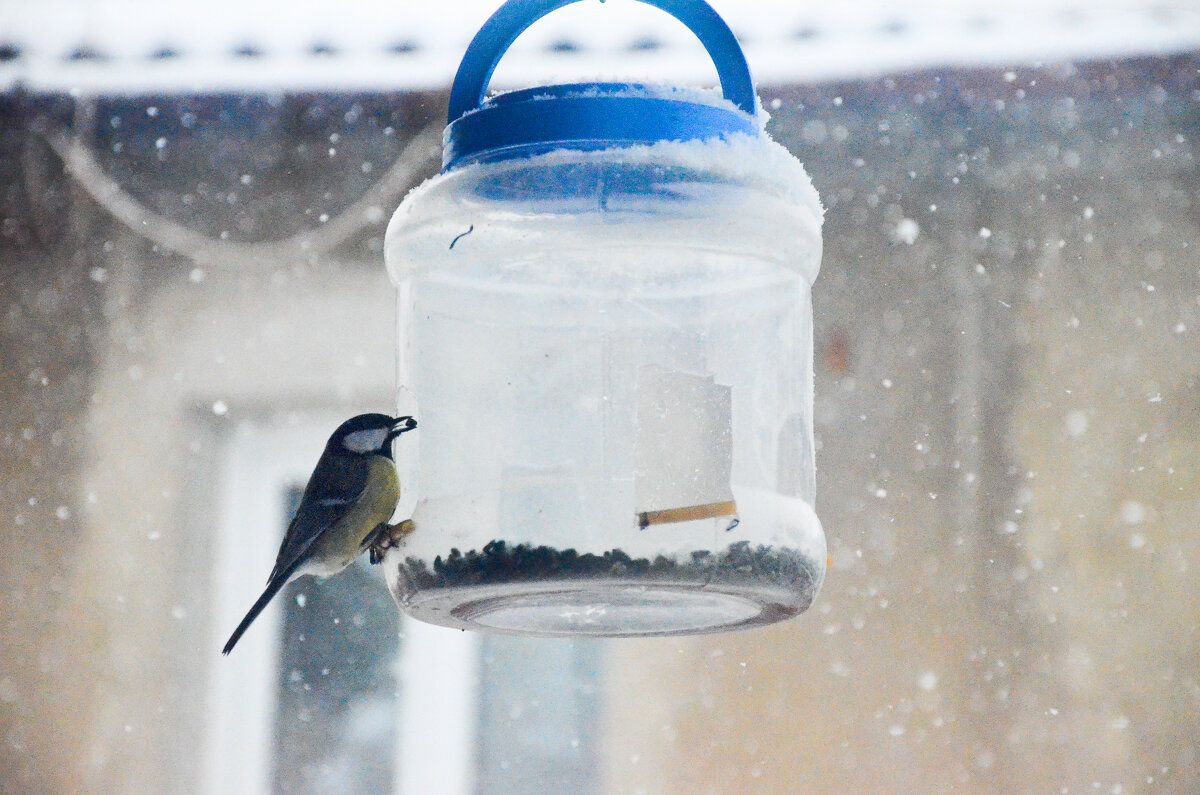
x: 371, y: 433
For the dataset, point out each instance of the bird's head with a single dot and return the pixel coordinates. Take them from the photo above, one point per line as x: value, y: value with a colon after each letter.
x: 371, y: 433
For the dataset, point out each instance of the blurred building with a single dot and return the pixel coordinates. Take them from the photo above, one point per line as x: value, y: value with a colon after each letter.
x: 1008, y: 369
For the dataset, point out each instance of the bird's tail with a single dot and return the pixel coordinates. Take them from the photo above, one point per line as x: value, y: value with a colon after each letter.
x: 267, y: 595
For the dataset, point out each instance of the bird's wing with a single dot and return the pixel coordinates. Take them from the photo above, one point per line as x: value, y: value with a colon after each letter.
x: 335, y: 487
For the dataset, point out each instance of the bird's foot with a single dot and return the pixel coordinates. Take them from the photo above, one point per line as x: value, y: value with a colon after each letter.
x: 391, y: 535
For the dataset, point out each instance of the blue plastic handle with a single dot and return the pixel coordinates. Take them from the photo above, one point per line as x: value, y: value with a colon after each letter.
x: 512, y: 18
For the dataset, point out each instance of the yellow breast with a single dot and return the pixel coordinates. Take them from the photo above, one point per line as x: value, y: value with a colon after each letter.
x: 343, y: 542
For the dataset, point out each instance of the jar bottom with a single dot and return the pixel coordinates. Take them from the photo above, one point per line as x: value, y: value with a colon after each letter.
x: 540, y: 590
x: 607, y: 608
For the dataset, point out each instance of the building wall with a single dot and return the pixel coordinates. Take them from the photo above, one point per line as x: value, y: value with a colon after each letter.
x: 1008, y: 461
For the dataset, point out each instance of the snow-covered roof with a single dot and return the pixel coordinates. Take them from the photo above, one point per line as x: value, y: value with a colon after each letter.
x: 148, y: 46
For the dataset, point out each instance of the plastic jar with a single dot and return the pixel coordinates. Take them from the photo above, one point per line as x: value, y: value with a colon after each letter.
x: 606, y: 327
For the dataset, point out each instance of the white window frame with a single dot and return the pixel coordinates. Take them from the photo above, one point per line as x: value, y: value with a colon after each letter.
x: 437, y: 675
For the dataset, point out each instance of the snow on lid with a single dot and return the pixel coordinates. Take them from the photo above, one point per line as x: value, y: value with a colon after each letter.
x: 756, y: 160
x: 143, y: 46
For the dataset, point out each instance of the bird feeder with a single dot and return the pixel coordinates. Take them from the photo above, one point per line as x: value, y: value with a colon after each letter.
x: 606, y: 333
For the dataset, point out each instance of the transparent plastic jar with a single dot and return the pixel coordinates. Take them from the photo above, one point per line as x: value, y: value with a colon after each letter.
x: 609, y: 349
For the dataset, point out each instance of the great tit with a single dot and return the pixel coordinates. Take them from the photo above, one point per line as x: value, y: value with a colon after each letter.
x: 345, y: 509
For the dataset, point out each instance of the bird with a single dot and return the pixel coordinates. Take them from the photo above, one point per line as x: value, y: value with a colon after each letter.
x: 345, y: 510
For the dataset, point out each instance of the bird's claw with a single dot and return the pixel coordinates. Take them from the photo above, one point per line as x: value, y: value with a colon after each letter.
x: 390, y: 535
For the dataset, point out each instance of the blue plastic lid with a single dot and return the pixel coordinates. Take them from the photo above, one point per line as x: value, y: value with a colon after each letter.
x: 589, y: 115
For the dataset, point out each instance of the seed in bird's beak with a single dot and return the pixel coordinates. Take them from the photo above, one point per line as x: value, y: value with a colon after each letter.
x: 403, y: 424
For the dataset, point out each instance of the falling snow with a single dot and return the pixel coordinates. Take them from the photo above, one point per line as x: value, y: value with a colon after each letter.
x: 1006, y: 446
x: 907, y: 231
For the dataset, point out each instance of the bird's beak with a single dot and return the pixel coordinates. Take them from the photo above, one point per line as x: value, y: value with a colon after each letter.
x: 401, y: 425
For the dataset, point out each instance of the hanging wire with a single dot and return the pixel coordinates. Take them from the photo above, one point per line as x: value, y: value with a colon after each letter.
x: 81, y: 164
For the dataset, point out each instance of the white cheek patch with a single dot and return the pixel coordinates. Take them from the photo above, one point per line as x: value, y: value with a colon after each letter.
x: 367, y: 441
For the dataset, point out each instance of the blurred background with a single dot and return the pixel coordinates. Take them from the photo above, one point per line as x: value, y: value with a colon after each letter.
x: 1007, y: 325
